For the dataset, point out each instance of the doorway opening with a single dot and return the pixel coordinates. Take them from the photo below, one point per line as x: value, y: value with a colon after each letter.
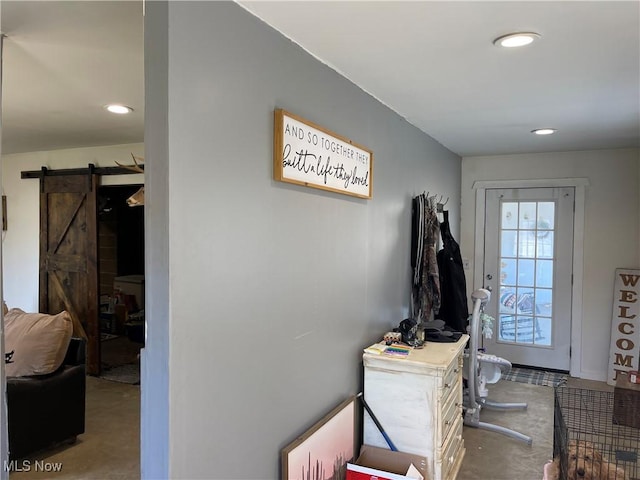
x: 121, y: 282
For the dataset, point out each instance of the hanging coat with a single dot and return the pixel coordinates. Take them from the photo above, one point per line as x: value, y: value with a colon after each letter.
x: 454, y: 309
x: 425, y: 292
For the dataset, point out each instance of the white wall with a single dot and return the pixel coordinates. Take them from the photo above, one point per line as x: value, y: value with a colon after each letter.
x: 272, y: 289
x: 611, y: 236
x: 20, y: 242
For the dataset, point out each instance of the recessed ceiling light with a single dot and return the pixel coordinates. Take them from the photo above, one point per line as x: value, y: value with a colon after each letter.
x: 544, y: 131
x: 119, y: 109
x: 519, y: 39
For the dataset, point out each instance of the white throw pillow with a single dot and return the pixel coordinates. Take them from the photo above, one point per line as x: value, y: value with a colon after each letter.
x: 35, y: 343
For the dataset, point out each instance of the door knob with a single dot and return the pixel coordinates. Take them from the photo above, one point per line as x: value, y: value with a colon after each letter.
x: 489, y: 276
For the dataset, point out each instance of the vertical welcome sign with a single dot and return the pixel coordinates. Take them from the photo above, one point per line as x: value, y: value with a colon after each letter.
x: 625, y: 325
x: 309, y: 155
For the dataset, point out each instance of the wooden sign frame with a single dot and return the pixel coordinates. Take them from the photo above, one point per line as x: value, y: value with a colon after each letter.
x: 307, y: 154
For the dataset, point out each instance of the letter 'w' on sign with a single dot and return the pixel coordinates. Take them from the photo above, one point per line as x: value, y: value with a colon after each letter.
x: 137, y: 199
x: 624, y: 352
x: 629, y: 280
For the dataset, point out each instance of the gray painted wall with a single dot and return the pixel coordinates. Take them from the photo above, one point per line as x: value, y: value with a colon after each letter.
x: 272, y: 290
x: 154, y: 361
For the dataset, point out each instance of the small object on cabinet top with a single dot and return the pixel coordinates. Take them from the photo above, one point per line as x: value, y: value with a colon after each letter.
x: 391, y: 337
x: 375, y: 349
x: 395, y: 350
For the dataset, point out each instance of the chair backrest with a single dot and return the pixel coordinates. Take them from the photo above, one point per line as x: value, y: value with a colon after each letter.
x: 77, y: 352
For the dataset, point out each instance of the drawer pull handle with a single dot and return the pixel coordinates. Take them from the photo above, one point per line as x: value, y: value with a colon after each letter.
x: 446, y: 385
x: 456, y: 370
x: 447, y: 422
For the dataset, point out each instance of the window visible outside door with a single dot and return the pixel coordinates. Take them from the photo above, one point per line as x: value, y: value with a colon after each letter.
x: 528, y: 266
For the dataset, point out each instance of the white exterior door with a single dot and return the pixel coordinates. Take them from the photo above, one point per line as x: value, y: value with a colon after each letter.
x: 528, y: 266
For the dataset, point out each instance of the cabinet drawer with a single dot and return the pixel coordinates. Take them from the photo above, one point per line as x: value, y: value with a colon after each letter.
x: 451, y: 376
x: 453, y: 389
x: 453, y: 449
x: 451, y: 413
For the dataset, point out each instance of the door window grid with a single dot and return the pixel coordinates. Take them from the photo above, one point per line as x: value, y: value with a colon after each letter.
x: 526, y: 274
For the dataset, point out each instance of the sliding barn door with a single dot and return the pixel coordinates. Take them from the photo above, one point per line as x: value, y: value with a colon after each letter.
x: 68, y: 255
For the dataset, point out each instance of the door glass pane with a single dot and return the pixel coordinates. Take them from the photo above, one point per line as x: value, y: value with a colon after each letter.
x: 543, y: 326
x: 508, y: 271
x: 524, y: 330
x: 526, y: 273
x: 508, y: 300
x: 527, y: 244
x: 545, y: 244
x: 526, y: 301
x: 527, y: 215
x: 544, y: 273
x: 509, y: 243
x: 507, y: 328
x: 509, y: 215
x: 544, y: 305
x: 546, y: 215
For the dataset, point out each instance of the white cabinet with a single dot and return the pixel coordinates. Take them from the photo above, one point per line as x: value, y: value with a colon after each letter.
x: 418, y: 401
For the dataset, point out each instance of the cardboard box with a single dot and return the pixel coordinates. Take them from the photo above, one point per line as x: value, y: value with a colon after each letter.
x: 381, y: 464
x: 131, y: 285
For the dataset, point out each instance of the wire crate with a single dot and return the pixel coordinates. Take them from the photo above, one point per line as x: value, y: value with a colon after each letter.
x: 586, y: 428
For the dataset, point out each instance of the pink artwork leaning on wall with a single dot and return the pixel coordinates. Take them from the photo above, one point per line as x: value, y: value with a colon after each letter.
x: 322, y: 452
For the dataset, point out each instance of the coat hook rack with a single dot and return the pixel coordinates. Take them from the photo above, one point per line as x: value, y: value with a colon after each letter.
x: 440, y: 205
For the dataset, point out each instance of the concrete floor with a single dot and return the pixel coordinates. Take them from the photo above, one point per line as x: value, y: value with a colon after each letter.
x: 493, y: 456
x: 110, y: 448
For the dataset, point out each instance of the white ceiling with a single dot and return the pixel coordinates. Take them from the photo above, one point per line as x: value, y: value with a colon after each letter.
x: 432, y: 62
x: 63, y: 61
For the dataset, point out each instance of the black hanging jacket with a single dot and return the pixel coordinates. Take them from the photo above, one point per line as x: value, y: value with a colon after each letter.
x: 454, y: 308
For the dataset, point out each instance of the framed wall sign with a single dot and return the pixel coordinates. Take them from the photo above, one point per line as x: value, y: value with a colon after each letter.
x: 310, y: 155
x: 625, y: 329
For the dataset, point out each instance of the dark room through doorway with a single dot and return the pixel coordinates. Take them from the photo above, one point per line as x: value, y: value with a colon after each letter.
x: 121, y: 281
